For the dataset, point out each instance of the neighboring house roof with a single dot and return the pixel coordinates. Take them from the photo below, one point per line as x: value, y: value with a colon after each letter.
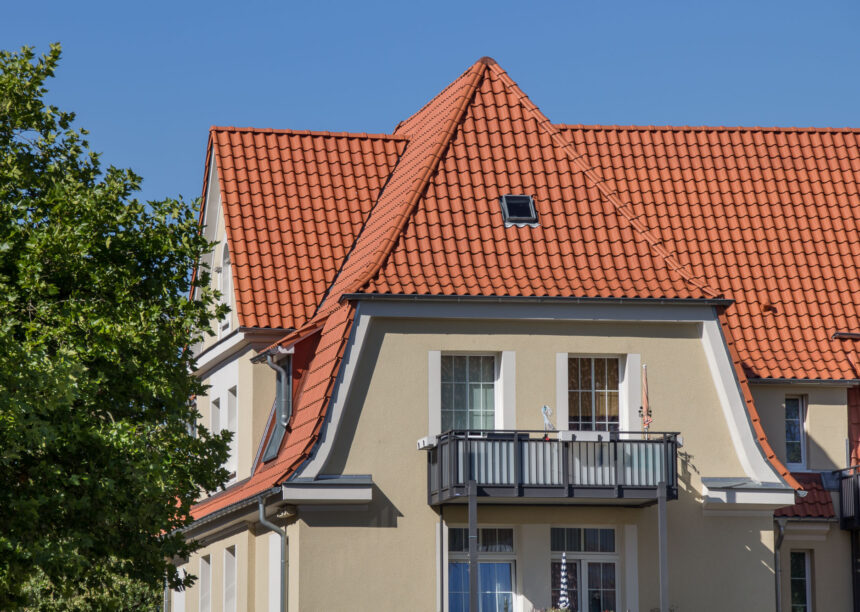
x: 623, y: 213
x: 293, y: 204
x: 816, y: 504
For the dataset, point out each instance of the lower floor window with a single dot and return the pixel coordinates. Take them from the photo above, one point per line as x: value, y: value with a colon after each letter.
x: 495, y: 587
x: 586, y: 558
x: 495, y: 570
x: 801, y: 591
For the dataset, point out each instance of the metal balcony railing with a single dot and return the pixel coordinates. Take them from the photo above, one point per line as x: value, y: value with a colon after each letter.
x: 849, y: 497
x: 549, y: 466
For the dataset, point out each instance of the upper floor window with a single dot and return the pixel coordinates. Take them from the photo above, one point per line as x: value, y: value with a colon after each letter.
x: 592, y: 384
x: 226, y: 284
x: 795, y: 435
x: 205, y: 582
x: 225, y: 416
x: 468, y: 392
x: 229, y: 604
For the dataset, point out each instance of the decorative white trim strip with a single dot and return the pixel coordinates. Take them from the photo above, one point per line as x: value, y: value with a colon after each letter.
x: 506, y: 390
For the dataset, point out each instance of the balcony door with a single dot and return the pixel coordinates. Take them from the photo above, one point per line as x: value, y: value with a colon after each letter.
x: 592, y: 387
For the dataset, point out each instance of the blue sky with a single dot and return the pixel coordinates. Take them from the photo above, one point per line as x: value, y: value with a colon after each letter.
x: 148, y: 79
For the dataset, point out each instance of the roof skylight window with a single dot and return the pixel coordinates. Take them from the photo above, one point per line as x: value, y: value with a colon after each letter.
x: 518, y: 209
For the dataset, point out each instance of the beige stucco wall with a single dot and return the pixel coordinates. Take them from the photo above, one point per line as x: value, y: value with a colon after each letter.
x: 384, y: 557
x: 246, y: 568
x: 831, y: 565
x: 826, y: 421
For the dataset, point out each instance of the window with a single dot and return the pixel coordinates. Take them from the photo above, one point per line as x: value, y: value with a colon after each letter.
x: 205, y: 584
x: 592, y: 385
x: 226, y: 284
x: 231, y: 423
x: 591, y: 566
x: 801, y: 587
x: 518, y: 209
x: 468, y: 392
x: 224, y: 417
x: 178, y: 597
x: 283, y: 408
x: 495, y: 570
x: 230, y: 579
x: 795, y: 443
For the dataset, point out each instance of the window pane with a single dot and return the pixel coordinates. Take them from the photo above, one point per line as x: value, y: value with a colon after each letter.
x: 489, y: 397
x: 461, y: 420
x: 476, y: 398
x: 607, y: 540
x: 457, y: 539
x: 594, y: 581
x: 556, y: 537
x: 447, y: 393
x: 459, y: 370
x: 572, y: 584
x: 461, y: 401
x: 792, y: 431
x: 572, y: 373
x: 592, y: 540
x: 608, y: 576
x: 585, y: 374
x: 599, y: 373
x: 612, y: 374
x: 474, y: 369
x: 488, y: 367
x: 497, y: 540
x: 574, y: 539
x: 792, y: 408
x: 793, y: 452
x: 585, y: 411
x: 447, y: 368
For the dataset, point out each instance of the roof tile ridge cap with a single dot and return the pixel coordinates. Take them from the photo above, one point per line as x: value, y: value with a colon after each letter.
x: 389, y: 241
x: 705, y: 128
x: 479, y: 64
x: 752, y: 411
x: 317, y: 133
x: 621, y: 207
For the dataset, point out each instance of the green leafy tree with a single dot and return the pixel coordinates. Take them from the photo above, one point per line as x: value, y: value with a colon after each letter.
x: 97, y: 466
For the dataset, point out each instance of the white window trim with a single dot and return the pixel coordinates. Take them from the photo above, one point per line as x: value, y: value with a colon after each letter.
x: 629, y: 389
x: 205, y: 583
x: 227, y: 292
x: 235, y: 559
x: 504, y: 389
x: 803, y: 418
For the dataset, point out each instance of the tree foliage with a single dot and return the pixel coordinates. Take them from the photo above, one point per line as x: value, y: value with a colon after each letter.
x: 97, y: 468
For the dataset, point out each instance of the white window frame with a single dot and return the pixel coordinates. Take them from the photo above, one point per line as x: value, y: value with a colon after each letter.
x: 231, y: 558
x: 205, y: 583
x: 584, y: 558
x: 504, y: 393
x: 225, y: 286
x: 803, y: 417
x: 629, y: 389
x: 484, y: 557
x: 807, y: 578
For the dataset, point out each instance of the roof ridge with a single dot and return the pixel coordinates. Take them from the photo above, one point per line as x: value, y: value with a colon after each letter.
x: 622, y: 208
x: 387, y: 243
x: 322, y: 133
x: 706, y: 128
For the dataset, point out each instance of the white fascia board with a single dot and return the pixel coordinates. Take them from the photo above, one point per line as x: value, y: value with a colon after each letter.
x: 219, y: 352
x: 733, y: 499
x: 752, y: 458
x: 326, y: 494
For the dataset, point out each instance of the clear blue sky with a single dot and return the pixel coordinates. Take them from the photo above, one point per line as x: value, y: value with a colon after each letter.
x: 149, y: 78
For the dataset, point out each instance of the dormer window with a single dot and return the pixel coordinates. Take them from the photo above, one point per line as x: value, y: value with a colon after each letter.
x: 518, y: 209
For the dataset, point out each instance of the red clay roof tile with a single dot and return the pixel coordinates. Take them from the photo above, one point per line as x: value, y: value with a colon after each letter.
x: 816, y: 504
x: 764, y: 216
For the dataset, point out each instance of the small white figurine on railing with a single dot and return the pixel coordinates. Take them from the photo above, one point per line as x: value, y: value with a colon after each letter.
x: 546, y: 412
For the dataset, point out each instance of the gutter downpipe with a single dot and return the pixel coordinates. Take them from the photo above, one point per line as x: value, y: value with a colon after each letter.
x: 777, y: 566
x: 284, y: 394
x: 272, y: 527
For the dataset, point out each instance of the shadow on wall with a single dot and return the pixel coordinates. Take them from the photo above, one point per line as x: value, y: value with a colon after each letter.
x: 380, y: 512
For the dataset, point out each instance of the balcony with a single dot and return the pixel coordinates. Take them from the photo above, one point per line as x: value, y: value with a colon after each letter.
x: 849, y: 498
x: 619, y: 468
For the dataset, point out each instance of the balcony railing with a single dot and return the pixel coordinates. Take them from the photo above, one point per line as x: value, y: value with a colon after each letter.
x: 551, y: 467
x: 849, y: 498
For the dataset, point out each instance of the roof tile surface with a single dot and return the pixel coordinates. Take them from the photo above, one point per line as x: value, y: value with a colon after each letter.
x: 817, y: 504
